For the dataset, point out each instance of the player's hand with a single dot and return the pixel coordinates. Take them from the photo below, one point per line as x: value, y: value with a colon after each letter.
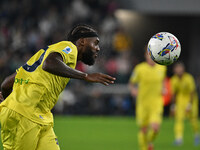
x: 100, y: 78
x: 134, y: 92
x: 1, y: 97
x: 188, y: 108
x: 172, y: 110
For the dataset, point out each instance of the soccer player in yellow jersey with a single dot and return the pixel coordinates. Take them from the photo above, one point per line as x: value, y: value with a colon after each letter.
x: 31, y: 92
x: 185, y: 102
x: 146, y: 83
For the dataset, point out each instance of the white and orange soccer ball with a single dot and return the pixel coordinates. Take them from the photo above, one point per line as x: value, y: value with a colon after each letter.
x: 164, y: 48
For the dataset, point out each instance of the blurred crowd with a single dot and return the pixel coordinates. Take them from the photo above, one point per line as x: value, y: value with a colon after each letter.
x: 29, y: 25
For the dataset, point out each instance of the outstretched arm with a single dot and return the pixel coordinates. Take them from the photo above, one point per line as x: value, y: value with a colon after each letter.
x: 54, y: 64
x: 189, y: 105
x: 7, y: 85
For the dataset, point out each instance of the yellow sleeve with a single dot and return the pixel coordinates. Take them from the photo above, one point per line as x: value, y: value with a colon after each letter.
x: 68, y: 53
x: 165, y: 71
x: 134, y: 76
x: 191, y: 85
x: 173, y: 85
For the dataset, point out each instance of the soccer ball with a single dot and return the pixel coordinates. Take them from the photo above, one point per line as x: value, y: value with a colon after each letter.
x: 164, y: 48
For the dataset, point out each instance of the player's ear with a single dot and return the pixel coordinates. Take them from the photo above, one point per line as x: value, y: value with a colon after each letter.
x: 82, y: 41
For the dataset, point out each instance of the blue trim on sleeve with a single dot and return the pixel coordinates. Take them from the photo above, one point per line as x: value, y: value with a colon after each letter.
x: 31, y: 68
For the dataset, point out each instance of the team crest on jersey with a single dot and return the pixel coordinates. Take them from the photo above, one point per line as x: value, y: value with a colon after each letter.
x: 67, y: 50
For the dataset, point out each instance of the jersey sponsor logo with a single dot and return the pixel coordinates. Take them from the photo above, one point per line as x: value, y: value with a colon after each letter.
x: 21, y: 81
x: 67, y: 50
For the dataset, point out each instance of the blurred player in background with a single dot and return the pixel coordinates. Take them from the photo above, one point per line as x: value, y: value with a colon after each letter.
x: 31, y: 92
x: 146, y: 83
x: 184, y: 103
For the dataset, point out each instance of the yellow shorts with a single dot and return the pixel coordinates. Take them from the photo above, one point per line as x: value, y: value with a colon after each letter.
x: 19, y: 133
x: 146, y: 114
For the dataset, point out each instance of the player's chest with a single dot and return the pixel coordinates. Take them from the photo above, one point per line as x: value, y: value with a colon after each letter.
x: 183, y: 85
x: 152, y: 74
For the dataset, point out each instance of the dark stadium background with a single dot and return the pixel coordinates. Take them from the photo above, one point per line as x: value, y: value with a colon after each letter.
x: 28, y: 25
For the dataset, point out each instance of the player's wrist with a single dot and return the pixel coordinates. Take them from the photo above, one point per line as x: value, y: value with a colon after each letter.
x: 173, y: 106
x: 85, y: 76
x: 189, y: 105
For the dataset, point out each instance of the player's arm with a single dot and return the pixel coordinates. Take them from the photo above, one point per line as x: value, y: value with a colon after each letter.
x: 173, y: 98
x: 54, y: 64
x: 133, y: 89
x: 133, y: 82
x: 189, y: 106
x: 192, y: 97
x: 192, y: 93
x: 7, y: 85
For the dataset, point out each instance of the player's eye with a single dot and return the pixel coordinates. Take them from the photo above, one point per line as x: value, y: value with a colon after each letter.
x: 96, y: 42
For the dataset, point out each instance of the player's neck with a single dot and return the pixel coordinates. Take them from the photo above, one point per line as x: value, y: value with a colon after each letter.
x: 180, y: 76
x: 151, y: 64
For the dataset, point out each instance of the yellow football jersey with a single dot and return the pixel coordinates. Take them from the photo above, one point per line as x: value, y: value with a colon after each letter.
x: 35, y: 91
x: 183, y: 87
x: 150, y: 82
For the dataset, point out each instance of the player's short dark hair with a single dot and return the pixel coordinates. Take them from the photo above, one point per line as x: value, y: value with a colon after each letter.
x: 81, y: 31
x: 179, y: 63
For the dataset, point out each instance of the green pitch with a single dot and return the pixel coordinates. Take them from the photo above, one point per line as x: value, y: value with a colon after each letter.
x: 112, y: 133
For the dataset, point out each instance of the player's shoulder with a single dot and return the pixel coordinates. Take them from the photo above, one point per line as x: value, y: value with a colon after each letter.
x: 174, y: 79
x: 141, y: 65
x: 66, y: 47
x: 188, y: 75
x: 161, y: 67
x: 64, y: 44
